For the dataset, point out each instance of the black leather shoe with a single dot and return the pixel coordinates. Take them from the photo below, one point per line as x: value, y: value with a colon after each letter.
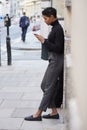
x: 31, y: 118
x: 51, y: 116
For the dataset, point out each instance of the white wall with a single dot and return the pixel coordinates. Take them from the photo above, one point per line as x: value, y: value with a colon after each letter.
x: 44, y: 28
x: 79, y: 58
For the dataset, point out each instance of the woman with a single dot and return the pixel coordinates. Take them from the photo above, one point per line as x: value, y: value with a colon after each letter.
x: 54, y: 72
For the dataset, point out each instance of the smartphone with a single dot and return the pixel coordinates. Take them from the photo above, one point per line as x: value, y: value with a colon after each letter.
x: 35, y: 34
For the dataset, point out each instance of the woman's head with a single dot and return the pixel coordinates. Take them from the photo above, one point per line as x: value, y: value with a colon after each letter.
x: 49, y: 15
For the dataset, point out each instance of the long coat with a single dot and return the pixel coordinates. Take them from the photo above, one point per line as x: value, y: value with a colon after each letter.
x: 52, y: 83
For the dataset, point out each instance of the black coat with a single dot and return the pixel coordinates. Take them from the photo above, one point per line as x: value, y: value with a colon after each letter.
x: 55, y: 46
x: 55, y: 41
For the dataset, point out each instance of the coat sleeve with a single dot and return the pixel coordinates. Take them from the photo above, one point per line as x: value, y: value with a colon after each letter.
x: 58, y: 44
x: 20, y: 22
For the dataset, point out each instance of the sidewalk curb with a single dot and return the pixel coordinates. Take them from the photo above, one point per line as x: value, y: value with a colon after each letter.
x: 26, y: 49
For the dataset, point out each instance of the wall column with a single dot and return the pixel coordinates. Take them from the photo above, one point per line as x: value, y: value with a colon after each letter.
x: 44, y: 27
x: 79, y: 66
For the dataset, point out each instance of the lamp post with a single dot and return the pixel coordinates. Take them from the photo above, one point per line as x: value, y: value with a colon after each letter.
x: 7, y: 23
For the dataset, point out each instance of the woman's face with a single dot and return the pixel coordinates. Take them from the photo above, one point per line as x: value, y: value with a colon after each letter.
x: 48, y: 20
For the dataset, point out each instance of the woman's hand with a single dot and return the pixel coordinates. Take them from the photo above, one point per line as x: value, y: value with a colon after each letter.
x: 40, y: 38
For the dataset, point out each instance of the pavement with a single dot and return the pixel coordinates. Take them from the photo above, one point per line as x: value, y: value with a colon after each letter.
x: 20, y: 91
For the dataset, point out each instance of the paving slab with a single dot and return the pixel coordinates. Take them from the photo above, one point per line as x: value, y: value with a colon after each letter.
x: 32, y: 96
x: 10, y: 123
x: 22, y: 112
x: 32, y: 125
x: 1, y: 100
x: 19, y: 104
x: 9, y: 95
x: 30, y: 88
x: 6, y: 112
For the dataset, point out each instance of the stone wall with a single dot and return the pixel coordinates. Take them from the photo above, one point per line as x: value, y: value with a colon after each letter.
x: 59, y: 5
